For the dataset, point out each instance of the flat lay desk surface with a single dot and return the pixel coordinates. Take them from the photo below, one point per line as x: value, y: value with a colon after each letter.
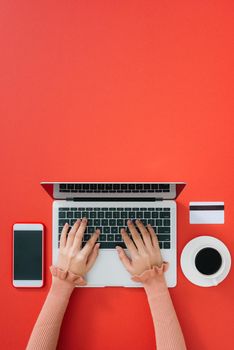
x: 116, y: 91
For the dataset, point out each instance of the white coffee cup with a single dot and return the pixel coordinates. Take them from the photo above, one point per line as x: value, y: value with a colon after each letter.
x: 190, y: 267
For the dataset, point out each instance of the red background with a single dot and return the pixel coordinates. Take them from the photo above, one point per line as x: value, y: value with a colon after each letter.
x: 116, y: 91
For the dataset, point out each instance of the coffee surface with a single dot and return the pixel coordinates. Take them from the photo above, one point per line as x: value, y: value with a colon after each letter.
x: 208, y: 261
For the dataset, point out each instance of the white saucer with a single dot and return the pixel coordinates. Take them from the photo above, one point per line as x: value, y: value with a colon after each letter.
x: 188, y: 257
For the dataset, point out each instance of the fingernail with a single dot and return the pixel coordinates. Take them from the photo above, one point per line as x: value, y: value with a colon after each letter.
x: 98, y: 245
x: 85, y: 219
x: 129, y: 221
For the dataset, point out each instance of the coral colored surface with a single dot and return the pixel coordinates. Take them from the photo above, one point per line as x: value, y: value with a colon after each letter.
x: 116, y: 91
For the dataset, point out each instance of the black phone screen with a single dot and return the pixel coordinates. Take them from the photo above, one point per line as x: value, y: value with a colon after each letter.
x: 27, y: 255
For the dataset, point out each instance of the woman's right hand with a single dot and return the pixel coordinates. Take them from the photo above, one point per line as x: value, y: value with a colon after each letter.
x: 72, y: 256
x: 144, y: 252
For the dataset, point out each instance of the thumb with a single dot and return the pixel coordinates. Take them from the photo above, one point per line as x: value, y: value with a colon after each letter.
x: 123, y: 257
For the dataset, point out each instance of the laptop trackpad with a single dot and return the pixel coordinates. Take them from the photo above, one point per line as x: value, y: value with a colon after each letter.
x: 109, y: 271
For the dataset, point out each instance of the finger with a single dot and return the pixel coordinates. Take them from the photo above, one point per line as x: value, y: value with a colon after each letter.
x: 63, y: 237
x: 145, y: 234
x: 136, y: 237
x: 80, y: 233
x: 72, y: 234
x: 124, y: 258
x: 93, y: 256
x: 153, y: 236
x: 90, y: 243
x: 128, y: 242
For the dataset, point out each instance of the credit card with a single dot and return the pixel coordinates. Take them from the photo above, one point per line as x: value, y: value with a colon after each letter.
x: 206, y: 212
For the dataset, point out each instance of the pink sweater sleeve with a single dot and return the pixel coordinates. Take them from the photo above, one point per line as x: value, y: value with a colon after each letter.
x: 47, y: 327
x: 167, y: 329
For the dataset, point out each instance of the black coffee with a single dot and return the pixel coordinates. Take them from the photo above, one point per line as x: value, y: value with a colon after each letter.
x: 208, y: 261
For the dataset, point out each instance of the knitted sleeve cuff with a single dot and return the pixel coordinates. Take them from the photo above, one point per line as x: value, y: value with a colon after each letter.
x: 154, y: 273
x: 68, y: 276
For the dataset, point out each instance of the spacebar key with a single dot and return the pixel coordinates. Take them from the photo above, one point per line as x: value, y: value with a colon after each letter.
x: 112, y: 245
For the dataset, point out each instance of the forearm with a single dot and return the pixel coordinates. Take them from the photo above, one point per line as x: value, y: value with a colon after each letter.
x: 168, y: 332
x: 46, y: 330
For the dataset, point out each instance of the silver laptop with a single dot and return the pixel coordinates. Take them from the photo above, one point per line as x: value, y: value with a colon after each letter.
x: 108, y: 206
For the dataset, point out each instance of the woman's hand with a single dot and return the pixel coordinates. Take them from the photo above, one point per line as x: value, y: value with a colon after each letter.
x: 72, y: 256
x: 144, y: 252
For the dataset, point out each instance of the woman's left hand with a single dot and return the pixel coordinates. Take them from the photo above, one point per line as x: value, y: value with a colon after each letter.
x: 72, y: 256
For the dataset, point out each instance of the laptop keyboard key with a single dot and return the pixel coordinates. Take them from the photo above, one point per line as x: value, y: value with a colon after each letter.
x: 62, y: 222
x: 112, y: 245
x: 87, y: 237
x: 166, y: 245
x: 165, y: 214
x: 96, y: 222
x: 90, y: 222
x: 120, y: 222
x: 110, y: 237
x: 104, y: 222
x: 151, y: 222
x: 102, y: 238
x: 114, y: 229
x: 164, y: 229
x: 139, y: 215
x: 163, y: 237
x: 158, y: 222
x: 132, y: 215
x: 167, y: 222
x: 118, y: 238
x: 112, y: 222
x: 91, y: 229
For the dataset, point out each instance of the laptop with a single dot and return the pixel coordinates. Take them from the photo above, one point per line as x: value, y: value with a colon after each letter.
x: 108, y: 206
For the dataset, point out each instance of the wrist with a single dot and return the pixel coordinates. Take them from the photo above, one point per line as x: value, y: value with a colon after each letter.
x: 153, y: 279
x: 155, y: 285
x: 61, y: 288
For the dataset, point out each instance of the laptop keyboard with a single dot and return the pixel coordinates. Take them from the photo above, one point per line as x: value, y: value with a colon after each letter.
x: 112, y: 188
x: 111, y: 220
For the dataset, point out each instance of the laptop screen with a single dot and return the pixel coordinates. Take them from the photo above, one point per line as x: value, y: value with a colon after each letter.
x: 121, y: 190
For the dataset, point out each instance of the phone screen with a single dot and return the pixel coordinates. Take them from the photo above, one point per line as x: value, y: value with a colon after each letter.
x: 27, y: 255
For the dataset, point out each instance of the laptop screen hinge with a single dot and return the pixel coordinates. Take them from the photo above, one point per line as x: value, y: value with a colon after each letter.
x: 114, y: 199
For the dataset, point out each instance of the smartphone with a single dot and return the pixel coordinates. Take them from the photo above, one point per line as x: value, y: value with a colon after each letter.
x: 28, y: 255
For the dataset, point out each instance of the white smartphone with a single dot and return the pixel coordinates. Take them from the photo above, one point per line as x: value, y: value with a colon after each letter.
x: 28, y: 255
